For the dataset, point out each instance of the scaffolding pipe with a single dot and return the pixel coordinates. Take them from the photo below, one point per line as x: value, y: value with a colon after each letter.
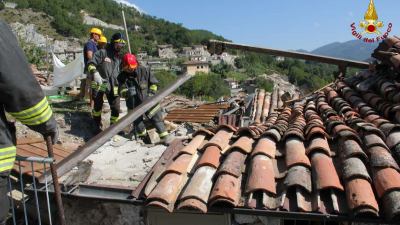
x: 217, y: 47
x: 126, y: 31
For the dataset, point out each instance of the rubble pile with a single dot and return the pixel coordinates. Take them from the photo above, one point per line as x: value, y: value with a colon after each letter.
x: 40, y: 76
x: 172, y: 102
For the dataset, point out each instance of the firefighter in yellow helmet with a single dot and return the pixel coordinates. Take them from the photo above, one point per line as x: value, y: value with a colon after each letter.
x: 101, y: 44
x: 88, y: 51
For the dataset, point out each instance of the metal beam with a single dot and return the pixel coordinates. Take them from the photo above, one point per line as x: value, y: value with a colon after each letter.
x: 216, y: 46
x: 96, y: 142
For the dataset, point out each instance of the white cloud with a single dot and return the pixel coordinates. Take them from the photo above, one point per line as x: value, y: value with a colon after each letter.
x: 126, y: 2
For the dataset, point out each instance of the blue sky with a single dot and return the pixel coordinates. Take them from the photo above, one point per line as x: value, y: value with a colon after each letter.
x: 283, y: 24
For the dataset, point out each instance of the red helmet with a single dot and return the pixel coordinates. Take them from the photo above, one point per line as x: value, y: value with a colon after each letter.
x: 129, y: 61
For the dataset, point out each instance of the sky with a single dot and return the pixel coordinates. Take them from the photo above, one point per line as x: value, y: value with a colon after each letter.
x: 283, y: 24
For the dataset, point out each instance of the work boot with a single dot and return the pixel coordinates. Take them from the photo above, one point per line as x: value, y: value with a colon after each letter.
x: 167, y: 140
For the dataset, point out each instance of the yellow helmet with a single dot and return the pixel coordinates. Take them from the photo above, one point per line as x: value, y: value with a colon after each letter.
x: 95, y: 30
x: 102, y: 39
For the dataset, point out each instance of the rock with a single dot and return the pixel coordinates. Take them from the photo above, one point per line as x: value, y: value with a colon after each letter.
x: 153, y: 136
x: 245, y: 219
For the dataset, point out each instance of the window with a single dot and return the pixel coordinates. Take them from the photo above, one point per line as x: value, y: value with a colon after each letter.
x: 202, y: 67
x: 198, y: 67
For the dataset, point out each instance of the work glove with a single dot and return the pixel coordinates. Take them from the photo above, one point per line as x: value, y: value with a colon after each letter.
x: 152, y: 90
x: 97, y: 78
x: 48, y: 128
x: 123, y: 93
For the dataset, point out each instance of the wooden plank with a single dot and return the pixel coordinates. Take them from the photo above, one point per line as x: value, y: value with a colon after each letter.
x: 24, y: 141
x: 34, y: 151
x: 57, y: 151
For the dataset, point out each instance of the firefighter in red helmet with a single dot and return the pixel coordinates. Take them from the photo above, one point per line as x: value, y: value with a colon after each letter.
x: 137, y: 84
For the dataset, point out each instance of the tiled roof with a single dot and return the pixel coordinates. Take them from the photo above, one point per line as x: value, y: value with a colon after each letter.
x: 332, y: 153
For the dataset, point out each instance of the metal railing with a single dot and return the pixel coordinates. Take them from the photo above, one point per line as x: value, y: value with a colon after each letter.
x: 28, y: 206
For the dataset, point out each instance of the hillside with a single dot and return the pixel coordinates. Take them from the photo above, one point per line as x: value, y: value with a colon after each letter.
x: 354, y: 49
x: 146, y: 32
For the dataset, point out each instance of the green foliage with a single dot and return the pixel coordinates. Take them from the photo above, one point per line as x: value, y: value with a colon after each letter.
x: 307, y: 75
x: 22, y: 4
x: 254, y: 64
x: 222, y: 68
x: 2, y: 6
x: 34, y: 54
x: 203, y: 36
x: 262, y: 83
x: 236, y: 75
x: 209, y: 86
x: 165, y: 78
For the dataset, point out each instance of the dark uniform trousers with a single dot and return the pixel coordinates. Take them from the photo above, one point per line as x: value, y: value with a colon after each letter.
x: 113, y: 100
x: 4, y: 201
x: 154, y: 117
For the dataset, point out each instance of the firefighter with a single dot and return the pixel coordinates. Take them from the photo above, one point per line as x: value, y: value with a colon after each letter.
x: 22, y: 98
x: 101, y: 44
x: 104, y: 68
x: 88, y: 50
x: 137, y: 84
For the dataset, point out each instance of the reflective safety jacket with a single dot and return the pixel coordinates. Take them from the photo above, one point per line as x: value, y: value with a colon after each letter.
x: 20, y: 96
x: 138, y: 84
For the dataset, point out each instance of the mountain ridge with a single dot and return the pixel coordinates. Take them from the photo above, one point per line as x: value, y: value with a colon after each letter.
x: 353, y: 50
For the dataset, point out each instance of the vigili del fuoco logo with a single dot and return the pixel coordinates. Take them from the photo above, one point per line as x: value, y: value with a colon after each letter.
x: 370, y: 27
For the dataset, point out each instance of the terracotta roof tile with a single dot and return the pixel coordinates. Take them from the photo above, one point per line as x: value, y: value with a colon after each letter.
x: 296, y: 153
x: 233, y: 164
x: 261, y: 175
x: 386, y: 180
x: 326, y: 175
x: 210, y: 157
x: 166, y: 192
x: 265, y: 146
x: 391, y: 205
x: 351, y: 148
x: 201, y: 178
x: 354, y: 168
x: 318, y: 144
x: 381, y: 157
x: 299, y: 176
x: 192, y: 147
x: 180, y: 165
x: 244, y: 144
x: 226, y: 190
x: 222, y: 137
x: 360, y: 197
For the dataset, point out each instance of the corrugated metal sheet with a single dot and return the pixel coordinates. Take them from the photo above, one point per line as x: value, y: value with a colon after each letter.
x: 202, y: 114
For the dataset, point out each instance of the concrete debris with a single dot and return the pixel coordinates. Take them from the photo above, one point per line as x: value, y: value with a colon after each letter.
x: 281, y: 81
x: 172, y: 102
x: 125, y: 165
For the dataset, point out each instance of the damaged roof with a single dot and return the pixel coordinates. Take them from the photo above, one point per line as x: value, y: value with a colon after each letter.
x: 334, y: 153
